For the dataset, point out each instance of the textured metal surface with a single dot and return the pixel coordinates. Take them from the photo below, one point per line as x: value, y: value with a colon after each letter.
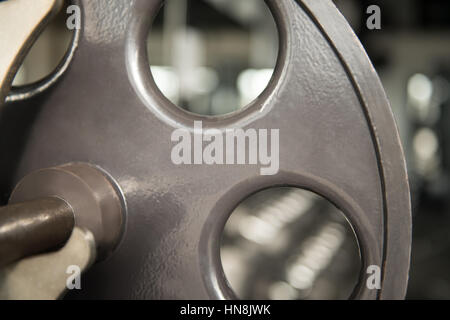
x: 337, y: 138
x: 32, y: 227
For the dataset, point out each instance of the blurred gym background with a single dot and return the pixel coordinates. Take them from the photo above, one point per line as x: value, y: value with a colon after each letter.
x: 215, y: 56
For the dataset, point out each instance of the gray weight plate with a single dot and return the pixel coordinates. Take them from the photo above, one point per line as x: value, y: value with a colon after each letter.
x: 337, y: 138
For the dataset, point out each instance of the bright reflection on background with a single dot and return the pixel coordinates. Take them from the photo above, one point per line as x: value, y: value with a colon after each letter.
x: 252, y: 82
x: 288, y: 243
x: 426, y: 147
x: 420, y: 89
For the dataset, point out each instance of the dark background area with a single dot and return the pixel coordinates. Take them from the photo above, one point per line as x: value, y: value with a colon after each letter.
x: 415, y: 39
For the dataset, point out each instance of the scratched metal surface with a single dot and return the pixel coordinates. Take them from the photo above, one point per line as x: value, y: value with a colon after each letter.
x: 337, y: 138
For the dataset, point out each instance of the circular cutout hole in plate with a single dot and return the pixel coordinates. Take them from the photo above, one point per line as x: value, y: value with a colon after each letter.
x: 290, y: 244
x: 48, y: 51
x: 213, y: 57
